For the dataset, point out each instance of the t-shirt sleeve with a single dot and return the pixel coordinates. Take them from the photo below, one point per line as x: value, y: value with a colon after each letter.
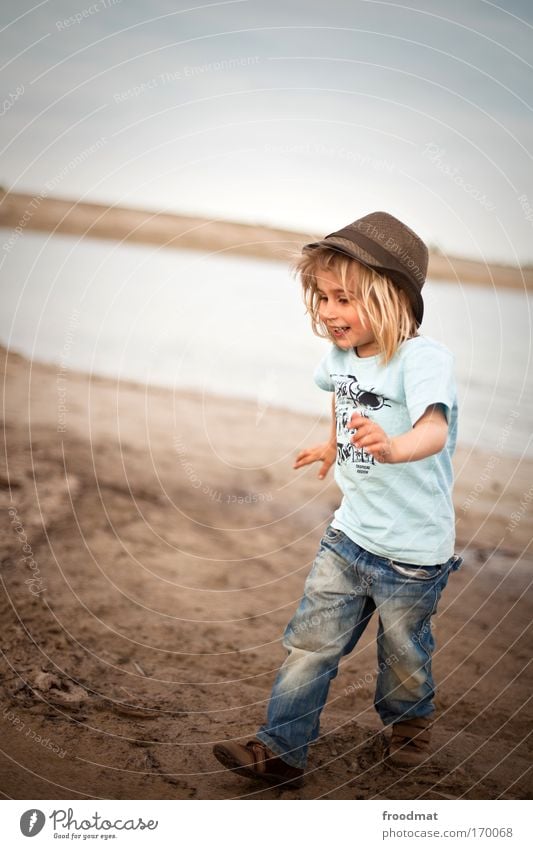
x: 429, y: 379
x: 322, y: 375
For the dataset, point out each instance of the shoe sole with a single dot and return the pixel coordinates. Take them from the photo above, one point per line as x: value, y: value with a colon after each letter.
x: 223, y: 756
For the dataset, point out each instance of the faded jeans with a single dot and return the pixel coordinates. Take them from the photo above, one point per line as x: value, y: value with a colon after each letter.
x: 343, y: 589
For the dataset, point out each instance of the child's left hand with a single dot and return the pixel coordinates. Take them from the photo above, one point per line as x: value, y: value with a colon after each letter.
x: 372, y: 438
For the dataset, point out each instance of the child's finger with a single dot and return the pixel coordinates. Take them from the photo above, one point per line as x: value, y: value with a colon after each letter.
x: 303, y: 459
x: 365, y: 424
x: 363, y: 438
x: 361, y: 432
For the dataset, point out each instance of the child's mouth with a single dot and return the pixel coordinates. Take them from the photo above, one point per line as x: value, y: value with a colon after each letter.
x: 339, y: 331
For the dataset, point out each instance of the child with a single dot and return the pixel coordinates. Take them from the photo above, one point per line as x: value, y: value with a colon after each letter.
x: 390, y: 544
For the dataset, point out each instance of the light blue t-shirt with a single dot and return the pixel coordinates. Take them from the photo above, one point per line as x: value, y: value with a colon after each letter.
x: 402, y: 511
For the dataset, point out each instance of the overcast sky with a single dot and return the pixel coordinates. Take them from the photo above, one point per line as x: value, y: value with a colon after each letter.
x: 297, y: 113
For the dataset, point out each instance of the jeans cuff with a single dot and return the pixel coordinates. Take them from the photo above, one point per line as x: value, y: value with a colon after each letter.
x: 416, y: 713
x: 274, y: 747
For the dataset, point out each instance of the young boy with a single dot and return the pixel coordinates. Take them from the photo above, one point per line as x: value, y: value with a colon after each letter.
x: 389, y: 547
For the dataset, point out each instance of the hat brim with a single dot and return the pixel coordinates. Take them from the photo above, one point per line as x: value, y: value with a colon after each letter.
x: 354, y: 251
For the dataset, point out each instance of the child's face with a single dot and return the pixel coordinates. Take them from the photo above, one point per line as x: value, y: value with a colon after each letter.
x: 343, y: 318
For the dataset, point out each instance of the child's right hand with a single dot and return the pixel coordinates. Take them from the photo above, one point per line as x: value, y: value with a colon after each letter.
x: 325, y: 452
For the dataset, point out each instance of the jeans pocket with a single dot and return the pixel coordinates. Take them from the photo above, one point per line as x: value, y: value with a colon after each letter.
x: 427, y: 573
x: 418, y: 573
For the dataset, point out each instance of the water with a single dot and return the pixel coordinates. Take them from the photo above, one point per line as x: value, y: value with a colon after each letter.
x: 234, y: 326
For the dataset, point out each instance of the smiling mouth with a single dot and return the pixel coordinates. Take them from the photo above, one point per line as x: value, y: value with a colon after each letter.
x: 339, y: 331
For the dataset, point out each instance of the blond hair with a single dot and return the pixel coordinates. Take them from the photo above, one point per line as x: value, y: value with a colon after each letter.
x: 387, y: 307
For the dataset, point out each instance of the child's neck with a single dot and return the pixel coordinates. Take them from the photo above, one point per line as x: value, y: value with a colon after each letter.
x: 364, y: 354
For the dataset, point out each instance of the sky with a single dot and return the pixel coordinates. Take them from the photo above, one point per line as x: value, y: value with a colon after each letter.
x: 291, y: 113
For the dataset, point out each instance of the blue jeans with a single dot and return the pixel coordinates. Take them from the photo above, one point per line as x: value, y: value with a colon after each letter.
x: 343, y: 589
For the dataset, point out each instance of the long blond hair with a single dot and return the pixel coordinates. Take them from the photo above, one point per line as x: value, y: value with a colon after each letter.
x: 387, y: 307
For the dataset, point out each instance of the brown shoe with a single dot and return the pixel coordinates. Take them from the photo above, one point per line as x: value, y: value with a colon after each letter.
x: 255, y: 760
x: 409, y: 742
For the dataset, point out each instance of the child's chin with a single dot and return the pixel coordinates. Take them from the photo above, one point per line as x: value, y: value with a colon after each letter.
x: 343, y: 343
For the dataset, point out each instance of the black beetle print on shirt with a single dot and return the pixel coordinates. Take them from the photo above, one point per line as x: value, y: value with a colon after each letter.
x: 351, y: 398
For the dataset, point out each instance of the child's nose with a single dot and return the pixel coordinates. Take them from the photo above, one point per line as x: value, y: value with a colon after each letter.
x: 328, y: 311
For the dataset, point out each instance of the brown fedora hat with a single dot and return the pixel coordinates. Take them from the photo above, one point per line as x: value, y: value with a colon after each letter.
x: 382, y: 242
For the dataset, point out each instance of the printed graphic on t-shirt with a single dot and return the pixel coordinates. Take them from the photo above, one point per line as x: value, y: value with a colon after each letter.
x: 351, y: 398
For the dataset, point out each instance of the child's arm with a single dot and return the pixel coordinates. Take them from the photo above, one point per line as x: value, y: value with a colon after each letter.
x: 325, y: 451
x: 427, y: 437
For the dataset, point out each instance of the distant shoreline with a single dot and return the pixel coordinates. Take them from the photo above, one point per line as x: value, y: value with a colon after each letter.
x: 66, y: 216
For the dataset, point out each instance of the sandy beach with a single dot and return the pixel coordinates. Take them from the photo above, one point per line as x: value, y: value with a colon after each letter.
x: 154, y: 546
